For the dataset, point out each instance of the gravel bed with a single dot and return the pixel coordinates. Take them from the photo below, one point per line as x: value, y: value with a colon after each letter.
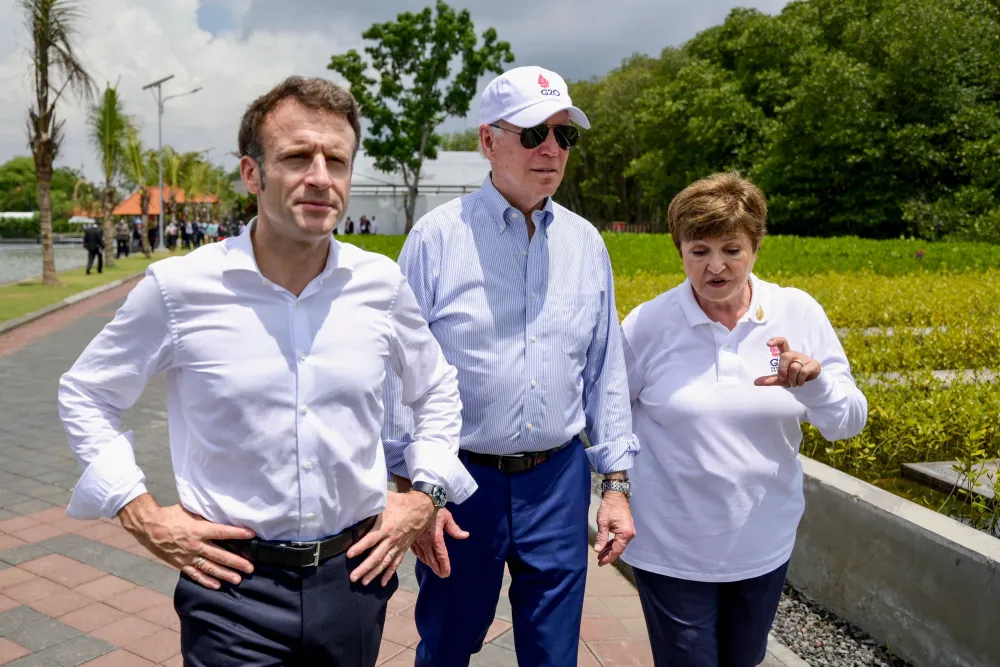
x: 821, y: 638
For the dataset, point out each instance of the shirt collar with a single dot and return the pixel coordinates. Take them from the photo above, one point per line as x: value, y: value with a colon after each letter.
x: 240, y: 257
x: 504, y: 215
x: 758, y: 312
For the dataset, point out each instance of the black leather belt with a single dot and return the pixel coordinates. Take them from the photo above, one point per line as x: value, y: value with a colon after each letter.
x: 298, y: 554
x: 512, y: 463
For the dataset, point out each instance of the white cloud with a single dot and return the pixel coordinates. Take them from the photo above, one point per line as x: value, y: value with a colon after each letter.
x: 140, y: 41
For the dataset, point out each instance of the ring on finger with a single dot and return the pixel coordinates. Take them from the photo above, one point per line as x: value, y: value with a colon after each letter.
x: 198, y: 561
x: 796, y: 361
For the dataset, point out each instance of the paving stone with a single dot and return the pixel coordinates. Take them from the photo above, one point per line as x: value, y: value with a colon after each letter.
x: 10, y: 651
x: 38, y: 533
x: 505, y: 640
x: 136, y: 600
x: 35, y: 589
x: 122, y: 658
x: 23, y: 554
x: 41, y: 635
x: 8, y: 498
x: 30, y: 506
x: 125, y: 630
x: 11, y: 526
x: 4, y: 514
x: 492, y: 655
x: 158, y: 646
x: 14, y: 576
x: 63, y: 570
x: 76, y: 651
x: 18, y: 618
x: 33, y: 660
x: 105, y: 587
x: 92, y: 617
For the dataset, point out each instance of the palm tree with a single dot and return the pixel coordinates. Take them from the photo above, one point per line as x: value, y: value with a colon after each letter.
x: 108, y: 127
x: 52, y: 27
x: 136, y: 168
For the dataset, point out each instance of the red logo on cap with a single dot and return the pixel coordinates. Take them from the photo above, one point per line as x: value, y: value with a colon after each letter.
x: 542, y: 81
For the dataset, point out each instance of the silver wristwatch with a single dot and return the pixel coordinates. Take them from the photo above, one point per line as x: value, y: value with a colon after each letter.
x: 619, y: 485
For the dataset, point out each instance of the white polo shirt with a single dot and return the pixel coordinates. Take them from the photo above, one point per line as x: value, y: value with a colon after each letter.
x: 717, y: 491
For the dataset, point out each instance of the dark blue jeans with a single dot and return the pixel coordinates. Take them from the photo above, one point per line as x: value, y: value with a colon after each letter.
x: 536, y: 522
x: 699, y: 624
x: 311, y: 616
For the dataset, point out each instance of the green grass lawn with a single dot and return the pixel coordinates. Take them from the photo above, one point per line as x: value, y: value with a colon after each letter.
x: 21, y: 298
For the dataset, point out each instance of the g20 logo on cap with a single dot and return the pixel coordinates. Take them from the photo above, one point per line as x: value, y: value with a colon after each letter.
x: 544, y: 83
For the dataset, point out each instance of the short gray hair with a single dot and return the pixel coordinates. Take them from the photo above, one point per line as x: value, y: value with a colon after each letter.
x: 496, y: 132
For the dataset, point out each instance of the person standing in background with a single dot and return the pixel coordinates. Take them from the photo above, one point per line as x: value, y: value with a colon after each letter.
x: 93, y: 241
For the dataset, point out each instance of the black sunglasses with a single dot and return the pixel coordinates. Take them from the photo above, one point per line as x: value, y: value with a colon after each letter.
x: 532, y: 137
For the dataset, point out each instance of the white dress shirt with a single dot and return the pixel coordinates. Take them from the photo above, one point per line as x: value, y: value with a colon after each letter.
x: 717, y: 494
x: 274, y: 402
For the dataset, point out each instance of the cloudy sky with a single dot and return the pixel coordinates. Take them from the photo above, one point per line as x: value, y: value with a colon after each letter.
x: 237, y: 49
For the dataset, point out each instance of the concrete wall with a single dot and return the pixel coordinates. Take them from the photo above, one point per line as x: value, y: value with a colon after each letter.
x: 925, y: 584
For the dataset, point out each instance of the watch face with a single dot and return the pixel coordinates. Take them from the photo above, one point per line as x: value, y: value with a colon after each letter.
x: 439, y: 496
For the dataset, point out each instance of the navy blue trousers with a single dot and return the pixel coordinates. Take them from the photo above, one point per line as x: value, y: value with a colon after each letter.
x: 700, y: 624
x: 536, y: 522
x: 311, y: 616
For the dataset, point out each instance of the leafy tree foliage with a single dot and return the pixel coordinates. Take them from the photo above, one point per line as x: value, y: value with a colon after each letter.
x: 878, y: 118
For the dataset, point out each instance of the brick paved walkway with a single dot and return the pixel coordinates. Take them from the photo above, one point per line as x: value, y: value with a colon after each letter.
x: 74, y: 593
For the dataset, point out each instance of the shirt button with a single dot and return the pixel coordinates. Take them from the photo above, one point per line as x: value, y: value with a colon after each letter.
x: 304, y: 409
x: 726, y: 346
x: 534, y: 295
x: 308, y: 465
x: 310, y: 516
x: 532, y: 384
x: 296, y: 304
x: 533, y: 339
x: 529, y: 427
x: 302, y: 357
x: 524, y: 252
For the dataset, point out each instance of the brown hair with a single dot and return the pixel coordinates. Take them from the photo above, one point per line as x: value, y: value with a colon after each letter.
x: 721, y: 205
x: 311, y: 92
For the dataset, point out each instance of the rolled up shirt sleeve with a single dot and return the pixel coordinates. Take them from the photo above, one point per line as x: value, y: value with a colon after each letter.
x: 606, y: 401
x: 833, y: 402
x: 428, y: 385
x: 107, y: 379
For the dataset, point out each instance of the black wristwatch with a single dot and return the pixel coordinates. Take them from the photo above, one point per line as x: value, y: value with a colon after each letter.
x: 437, y: 493
x: 619, y: 485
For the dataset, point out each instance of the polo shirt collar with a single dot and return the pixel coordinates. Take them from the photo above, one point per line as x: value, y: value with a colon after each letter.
x: 758, y: 312
x: 240, y: 257
x: 504, y: 215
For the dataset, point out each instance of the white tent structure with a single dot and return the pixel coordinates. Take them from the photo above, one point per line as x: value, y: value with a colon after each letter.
x: 375, y: 193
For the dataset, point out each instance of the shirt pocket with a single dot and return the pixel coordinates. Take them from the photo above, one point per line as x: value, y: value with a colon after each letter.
x: 574, y: 318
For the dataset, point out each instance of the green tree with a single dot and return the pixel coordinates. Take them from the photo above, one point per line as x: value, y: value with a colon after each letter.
x: 415, y: 92
x: 108, y: 128
x: 467, y: 140
x: 55, y: 68
x: 139, y: 172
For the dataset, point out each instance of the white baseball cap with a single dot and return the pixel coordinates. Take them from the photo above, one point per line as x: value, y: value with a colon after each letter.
x: 526, y: 97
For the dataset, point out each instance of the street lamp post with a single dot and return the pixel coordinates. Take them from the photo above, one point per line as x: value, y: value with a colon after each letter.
x: 157, y: 89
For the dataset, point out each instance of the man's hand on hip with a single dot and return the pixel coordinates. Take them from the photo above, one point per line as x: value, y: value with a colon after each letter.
x: 615, y: 517
x: 430, y: 547
x: 406, y: 515
x: 184, y: 540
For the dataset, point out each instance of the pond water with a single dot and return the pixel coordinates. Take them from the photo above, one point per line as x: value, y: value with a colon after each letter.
x: 25, y: 261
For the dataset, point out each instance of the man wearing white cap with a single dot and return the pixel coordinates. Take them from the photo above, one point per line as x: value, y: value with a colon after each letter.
x: 519, y: 292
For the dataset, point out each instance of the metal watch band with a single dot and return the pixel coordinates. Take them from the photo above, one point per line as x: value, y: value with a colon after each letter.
x: 619, y: 485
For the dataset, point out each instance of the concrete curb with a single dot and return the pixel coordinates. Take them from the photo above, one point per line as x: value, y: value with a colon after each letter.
x: 778, y: 655
x: 68, y: 301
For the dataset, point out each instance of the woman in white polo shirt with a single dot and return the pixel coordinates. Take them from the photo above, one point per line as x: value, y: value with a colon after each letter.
x: 722, y: 371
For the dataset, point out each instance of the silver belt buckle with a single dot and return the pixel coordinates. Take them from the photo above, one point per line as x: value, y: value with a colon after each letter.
x: 315, y: 548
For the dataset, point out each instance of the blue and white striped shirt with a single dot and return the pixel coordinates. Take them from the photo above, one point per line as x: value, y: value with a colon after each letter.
x: 531, y: 327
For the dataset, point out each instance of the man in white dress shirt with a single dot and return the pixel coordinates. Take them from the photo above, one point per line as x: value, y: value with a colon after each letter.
x: 274, y: 344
